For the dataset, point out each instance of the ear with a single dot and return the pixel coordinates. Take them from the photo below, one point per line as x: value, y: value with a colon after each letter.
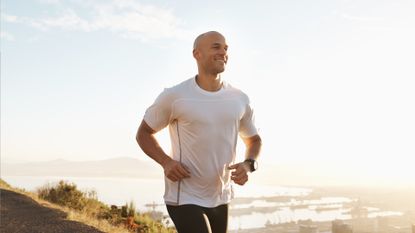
x: 196, y: 54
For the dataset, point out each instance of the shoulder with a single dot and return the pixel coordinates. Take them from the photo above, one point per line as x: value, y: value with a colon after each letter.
x: 174, y: 92
x: 183, y: 86
x: 236, y: 93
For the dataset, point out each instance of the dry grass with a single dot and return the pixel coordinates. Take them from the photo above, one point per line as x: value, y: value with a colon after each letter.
x: 102, y: 225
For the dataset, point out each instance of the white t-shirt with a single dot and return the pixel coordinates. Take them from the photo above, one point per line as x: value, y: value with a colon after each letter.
x: 204, y: 127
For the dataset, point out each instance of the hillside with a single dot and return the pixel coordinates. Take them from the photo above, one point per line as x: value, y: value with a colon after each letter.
x: 20, y: 213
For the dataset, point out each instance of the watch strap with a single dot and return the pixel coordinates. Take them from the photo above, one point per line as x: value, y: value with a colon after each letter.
x: 252, y: 164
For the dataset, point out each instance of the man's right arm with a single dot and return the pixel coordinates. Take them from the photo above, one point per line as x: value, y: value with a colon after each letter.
x: 148, y: 143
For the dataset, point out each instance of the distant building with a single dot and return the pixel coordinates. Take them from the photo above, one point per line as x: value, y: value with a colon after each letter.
x: 413, y: 228
x: 338, y: 226
x: 308, y: 229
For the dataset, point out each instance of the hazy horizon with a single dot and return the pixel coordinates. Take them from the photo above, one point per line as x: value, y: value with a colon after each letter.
x: 269, y: 174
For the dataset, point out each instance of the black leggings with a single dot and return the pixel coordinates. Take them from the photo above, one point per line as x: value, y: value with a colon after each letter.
x: 198, y: 219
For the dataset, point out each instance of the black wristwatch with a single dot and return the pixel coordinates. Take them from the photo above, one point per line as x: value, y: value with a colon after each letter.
x: 252, y: 164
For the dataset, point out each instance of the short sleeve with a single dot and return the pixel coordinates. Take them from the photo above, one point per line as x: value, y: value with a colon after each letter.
x: 158, y: 115
x: 247, y: 123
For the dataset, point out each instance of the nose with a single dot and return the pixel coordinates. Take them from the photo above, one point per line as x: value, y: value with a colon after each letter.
x: 223, y: 51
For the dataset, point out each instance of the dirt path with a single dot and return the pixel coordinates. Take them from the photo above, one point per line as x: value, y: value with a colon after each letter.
x: 21, y: 214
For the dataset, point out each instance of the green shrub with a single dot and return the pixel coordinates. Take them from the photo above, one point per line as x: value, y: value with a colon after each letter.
x: 131, y: 209
x: 64, y: 194
x: 124, y: 212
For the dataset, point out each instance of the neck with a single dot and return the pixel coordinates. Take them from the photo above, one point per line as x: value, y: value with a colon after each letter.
x: 209, y: 82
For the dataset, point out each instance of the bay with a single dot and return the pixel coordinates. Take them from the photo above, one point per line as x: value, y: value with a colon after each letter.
x: 147, y: 194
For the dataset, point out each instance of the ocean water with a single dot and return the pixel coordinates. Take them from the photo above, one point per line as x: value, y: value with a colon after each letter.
x: 119, y: 191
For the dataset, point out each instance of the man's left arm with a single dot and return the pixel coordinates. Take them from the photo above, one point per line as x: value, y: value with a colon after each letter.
x: 253, y: 147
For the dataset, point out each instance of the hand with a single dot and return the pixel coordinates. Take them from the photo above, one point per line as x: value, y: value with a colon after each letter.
x: 175, y: 170
x: 240, y: 173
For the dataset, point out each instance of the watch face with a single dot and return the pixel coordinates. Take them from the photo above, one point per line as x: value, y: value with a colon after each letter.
x: 253, y: 165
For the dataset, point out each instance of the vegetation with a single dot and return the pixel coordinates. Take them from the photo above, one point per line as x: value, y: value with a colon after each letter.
x: 85, y: 207
x: 4, y: 185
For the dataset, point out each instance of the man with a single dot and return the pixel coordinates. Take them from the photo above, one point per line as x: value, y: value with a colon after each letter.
x: 205, y: 116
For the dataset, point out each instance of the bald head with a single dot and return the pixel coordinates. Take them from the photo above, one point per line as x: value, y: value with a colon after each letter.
x: 203, y: 36
x: 210, y: 51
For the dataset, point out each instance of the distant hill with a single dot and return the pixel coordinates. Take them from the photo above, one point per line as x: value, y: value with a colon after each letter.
x: 303, y: 174
x: 117, y: 167
x: 292, y: 174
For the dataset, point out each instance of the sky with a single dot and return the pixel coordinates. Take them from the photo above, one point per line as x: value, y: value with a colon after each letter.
x: 331, y: 81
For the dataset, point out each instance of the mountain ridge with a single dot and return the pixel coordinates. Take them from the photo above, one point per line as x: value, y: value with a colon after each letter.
x: 119, y: 166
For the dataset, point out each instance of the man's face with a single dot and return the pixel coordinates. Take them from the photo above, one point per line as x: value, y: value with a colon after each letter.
x: 211, y: 53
